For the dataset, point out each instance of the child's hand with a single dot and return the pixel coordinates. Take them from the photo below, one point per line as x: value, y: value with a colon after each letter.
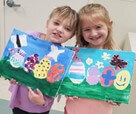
x: 36, y: 97
x: 113, y: 103
x: 72, y: 98
x: 42, y: 36
x: 13, y: 81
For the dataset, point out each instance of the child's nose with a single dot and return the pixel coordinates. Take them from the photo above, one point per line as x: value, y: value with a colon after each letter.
x: 93, y: 32
x: 60, y: 29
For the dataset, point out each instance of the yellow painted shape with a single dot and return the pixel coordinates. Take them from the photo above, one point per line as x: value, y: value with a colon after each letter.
x: 122, y: 80
x: 41, y: 69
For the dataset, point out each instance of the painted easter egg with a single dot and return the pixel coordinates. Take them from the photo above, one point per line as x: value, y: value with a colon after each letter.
x: 93, y: 75
x: 108, y: 76
x: 54, y: 74
x: 17, y: 59
x: 41, y: 69
x: 77, y: 72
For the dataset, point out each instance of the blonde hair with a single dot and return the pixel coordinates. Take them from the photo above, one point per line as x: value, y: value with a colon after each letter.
x: 66, y: 13
x: 93, y: 13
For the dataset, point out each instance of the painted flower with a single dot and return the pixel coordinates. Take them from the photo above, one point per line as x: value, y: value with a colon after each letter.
x: 99, y: 64
x: 106, y: 56
x: 89, y: 61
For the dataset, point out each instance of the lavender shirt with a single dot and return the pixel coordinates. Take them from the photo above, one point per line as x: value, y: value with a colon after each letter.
x: 19, y: 97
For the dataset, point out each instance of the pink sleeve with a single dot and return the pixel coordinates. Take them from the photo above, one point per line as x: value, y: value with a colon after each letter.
x: 37, y: 34
x: 13, y: 87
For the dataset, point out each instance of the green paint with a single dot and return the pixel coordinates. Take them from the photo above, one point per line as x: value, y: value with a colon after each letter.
x: 28, y: 79
x: 67, y: 87
x: 94, y: 91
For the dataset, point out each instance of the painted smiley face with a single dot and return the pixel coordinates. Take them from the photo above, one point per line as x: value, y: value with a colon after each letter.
x: 122, y: 80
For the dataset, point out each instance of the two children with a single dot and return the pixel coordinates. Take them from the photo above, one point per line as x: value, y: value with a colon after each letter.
x: 95, y: 31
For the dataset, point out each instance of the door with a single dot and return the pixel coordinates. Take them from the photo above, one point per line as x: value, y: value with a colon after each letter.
x: 29, y: 15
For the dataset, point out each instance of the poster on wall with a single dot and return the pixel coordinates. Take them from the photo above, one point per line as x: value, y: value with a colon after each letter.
x: 35, y: 62
x: 99, y: 74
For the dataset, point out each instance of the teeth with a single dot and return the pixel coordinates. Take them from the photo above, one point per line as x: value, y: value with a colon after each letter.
x: 57, y: 34
x: 92, y: 38
x: 95, y: 38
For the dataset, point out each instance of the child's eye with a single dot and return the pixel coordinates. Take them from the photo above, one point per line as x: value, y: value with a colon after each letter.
x: 68, y: 28
x: 56, y: 23
x: 98, y: 27
x: 85, y: 30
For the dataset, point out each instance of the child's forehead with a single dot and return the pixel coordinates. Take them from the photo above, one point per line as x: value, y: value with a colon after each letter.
x: 65, y: 21
x: 91, y: 22
x: 93, y: 18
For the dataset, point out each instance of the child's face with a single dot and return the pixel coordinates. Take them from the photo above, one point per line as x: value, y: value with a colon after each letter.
x: 94, y: 33
x: 58, y: 31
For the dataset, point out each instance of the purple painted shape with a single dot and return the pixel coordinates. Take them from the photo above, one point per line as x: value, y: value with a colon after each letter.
x: 93, y: 71
x: 92, y: 80
x: 93, y: 75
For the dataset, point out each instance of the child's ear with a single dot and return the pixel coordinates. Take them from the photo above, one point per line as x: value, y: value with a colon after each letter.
x: 47, y: 22
x: 111, y: 22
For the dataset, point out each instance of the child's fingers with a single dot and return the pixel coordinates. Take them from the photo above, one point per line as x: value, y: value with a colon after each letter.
x: 72, y: 98
x: 39, y: 92
x: 36, y: 96
x: 13, y: 81
x: 113, y: 103
x: 29, y: 88
x: 31, y: 92
x: 75, y: 97
x: 35, y: 93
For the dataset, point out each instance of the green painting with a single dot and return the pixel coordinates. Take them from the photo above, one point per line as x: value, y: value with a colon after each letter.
x: 99, y: 74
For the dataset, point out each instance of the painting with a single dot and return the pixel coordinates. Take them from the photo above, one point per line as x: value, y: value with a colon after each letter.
x: 34, y: 62
x: 99, y: 74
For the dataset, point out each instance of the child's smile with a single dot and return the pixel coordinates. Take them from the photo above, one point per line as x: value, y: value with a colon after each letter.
x: 95, y: 33
x: 56, y: 35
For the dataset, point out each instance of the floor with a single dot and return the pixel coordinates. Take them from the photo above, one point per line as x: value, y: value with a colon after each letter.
x: 57, y: 108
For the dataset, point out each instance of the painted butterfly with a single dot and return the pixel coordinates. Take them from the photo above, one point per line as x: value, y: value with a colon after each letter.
x: 117, y: 62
